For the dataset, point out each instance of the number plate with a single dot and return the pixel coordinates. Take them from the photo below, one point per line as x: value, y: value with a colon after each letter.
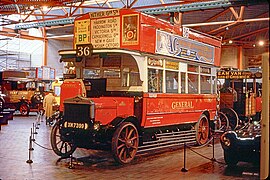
x: 84, y: 50
x: 76, y: 125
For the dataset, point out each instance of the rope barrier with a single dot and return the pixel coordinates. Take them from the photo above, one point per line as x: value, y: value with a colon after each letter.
x: 191, y: 148
x: 32, y: 139
x: 201, y: 146
x: 42, y: 146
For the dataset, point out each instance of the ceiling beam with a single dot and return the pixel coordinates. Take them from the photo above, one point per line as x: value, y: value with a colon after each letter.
x: 241, y: 13
x: 237, y: 17
x: 222, y: 27
x: 225, y: 22
x: 46, y: 23
x: 250, y: 33
x: 36, y: 2
x: 234, y: 12
x: 76, y: 9
x: 218, y: 15
x: 133, y: 3
x: 24, y: 36
x: 240, y: 24
x: 199, y: 6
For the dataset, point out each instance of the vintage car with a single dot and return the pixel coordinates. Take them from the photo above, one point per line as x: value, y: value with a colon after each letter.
x: 19, y: 92
x: 23, y: 100
x: 2, y: 101
x: 242, y: 144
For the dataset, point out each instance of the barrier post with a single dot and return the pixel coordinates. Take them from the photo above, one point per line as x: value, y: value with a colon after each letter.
x: 38, y: 118
x: 32, y: 135
x: 71, y: 165
x: 29, y: 151
x: 34, y: 129
x: 30, y: 142
x: 213, y: 146
x: 184, y: 168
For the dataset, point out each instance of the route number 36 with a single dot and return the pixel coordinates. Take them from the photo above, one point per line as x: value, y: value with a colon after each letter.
x: 84, y: 50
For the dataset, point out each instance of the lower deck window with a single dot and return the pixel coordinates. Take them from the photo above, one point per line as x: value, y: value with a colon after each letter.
x: 171, y: 82
x: 155, y: 80
x: 193, y: 83
x: 206, y: 84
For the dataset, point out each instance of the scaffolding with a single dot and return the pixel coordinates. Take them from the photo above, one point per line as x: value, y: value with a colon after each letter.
x: 10, y: 55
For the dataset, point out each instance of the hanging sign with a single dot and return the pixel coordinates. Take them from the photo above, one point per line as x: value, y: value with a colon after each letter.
x: 234, y: 75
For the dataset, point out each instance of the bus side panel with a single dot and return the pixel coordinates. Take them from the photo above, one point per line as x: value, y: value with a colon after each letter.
x: 170, y: 109
x: 108, y: 108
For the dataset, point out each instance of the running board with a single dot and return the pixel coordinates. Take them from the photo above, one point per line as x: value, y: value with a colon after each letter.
x: 165, y: 140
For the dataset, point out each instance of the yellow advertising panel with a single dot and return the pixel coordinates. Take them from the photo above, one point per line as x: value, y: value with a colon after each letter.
x: 172, y: 65
x: 82, y: 32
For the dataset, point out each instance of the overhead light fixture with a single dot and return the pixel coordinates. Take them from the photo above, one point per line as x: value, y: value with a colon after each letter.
x: 230, y: 41
x: 254, y: 45
x: 44, y: 8
x: 261, y: 43
x: 32, y: 7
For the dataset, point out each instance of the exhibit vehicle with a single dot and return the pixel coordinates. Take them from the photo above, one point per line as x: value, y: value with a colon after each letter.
x: 242, y: 144
x: 135, y: 83
x: 240, y: 95
x: 23, y: 90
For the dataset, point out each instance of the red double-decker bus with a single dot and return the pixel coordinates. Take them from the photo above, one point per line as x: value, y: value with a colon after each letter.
x: 140, y: 84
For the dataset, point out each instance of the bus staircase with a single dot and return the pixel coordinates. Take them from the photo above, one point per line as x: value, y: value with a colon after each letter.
x: 169, y: 139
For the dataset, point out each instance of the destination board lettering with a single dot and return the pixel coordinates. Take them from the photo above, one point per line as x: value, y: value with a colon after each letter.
x: 234, y: 75
x: 105, y: 32
x: 114, y: 12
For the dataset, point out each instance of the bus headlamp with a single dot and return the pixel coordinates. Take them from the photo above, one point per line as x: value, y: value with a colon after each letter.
x: 97, y: 125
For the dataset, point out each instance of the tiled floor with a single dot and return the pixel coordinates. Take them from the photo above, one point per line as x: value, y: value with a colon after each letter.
x: 14, y: 145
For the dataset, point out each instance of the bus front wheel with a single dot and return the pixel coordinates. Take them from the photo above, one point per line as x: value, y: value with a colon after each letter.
x: 62, y: 145
x: 125, y: 143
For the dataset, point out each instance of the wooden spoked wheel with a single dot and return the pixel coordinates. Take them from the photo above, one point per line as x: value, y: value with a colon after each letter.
x: 223, y: 123
x: 125, y: 143
x: 232, y: 117
x: 61, y: 143
x: 202, y: 130
x: 24, y: 109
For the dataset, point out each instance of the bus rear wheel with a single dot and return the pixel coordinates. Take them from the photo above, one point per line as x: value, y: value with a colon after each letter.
x: 125, y: 143
x: 223, y: 123
x: 202, y: 130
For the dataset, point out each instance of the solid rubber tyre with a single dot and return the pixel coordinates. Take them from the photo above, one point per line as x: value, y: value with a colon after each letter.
x: 223, y: 124
x: 61, y: 145
x: 202, y: 130
x: 125, y: 143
